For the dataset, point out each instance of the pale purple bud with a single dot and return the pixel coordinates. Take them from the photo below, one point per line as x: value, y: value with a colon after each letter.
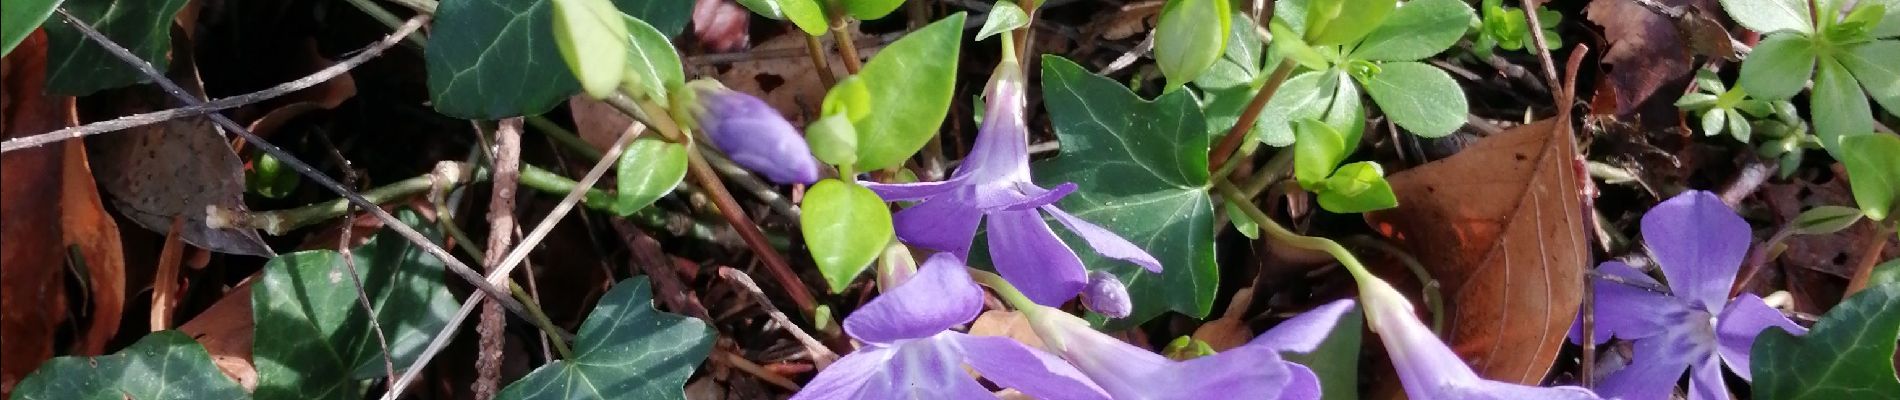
x: 755, y: 136
x: 1107, y: 295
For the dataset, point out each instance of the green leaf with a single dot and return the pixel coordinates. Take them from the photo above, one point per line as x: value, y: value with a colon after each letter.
x: 1189, y: 37
x: 808, y: 15
x: 1336, y: 360
x: 78, y: 66
x: 1767, y: 16
x: 161, y: 366
x: 649, y: 169
x: 833, y: 140
x: 1319, y: 149
x: 1873, y: 171
x: 316, y: 341
x: 1333, y: 22
x: 1142, y: 171
x: 1847, y: 355
x: 1346, y: 114
x: 653, y: 67
x: 1778, y: 67
x: 1356, y: 188
x: 492, y: 59
x: 1839, y: 106
x: 912, y: 87
x: 1242, y: 222
x: 20, y: 19
x: 871, y: 9
x: 1877, y: 66
x: 764, y: 8
x: 1713, y: 122
x: 592, y: 38
x: 1302, y: 96
x: 625, y: 350
x: 846, y: 227
x: 1738, y: 126
x: 1890, y: 23
x: 1696, y: 101
x: 1419, y: 97
x: 1885, y: 274
x: 1416, y: 30
x: 1822, y: 220
x: 1004, y: 17
x: 849, y: 97
x: 1240, y: 64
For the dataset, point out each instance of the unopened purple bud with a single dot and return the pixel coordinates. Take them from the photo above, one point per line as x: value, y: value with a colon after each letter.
x: 755, y: 136
x: 1107, y: 295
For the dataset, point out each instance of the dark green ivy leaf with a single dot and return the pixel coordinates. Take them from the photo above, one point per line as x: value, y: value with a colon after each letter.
x: 164, y: 365
x: 78, y: 66
x: 1848, y: 355
x: 492, y: 59
x: 625, y: 350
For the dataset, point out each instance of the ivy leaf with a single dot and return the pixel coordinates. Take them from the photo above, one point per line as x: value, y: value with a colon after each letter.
x: 162, y: 366
x: 492, y: 59
x: 1839, y: 106
x: 1004, y: 17
x: 846, y: 227
x: 1778, y: 67
x: 1336, y: 359
x: 21, y: 18
x: 1142, y: 169
x: 912, y: 89
x: 1767, y: 16
x: 1847, y: 355
x: 142, y: 26
x: 1877, y: 66
x: 1419, y: 97
x: 320, y: 344
x: 625, y: 350
x: 1416, y: 30
x: 1873, y: 171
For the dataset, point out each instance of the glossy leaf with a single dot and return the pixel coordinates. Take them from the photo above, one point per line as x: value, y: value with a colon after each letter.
x: 846, y: 227
x: 1877, y: 66
x: 849, y: 97
x: 625, y: 350
x: 491, y: 59
x: 871, y: 9
x: 592, y: 38
x: 1141, y: 169
x: 1839, y: 106
x: 1768, y: 16
x: 1419, y: 97
x: 317, y: 340
x: 1873, y: 171
x: 1822, y: 220
x: 653, y: 66
x: 1847, y: 355
x: 1318, y: 150
x: 833, y: 140
x: 1004, y: 17
x: 78, y: 66
x: 1333, y: 22
x: 1356, y: 188
x: 764, y: 8
x: 21, y: 18
x: 1416, y: 30
x: 1778, y: 67
x: 165, y: 365
x: 1189, y: 37
x: 649, y: 169
x: 913, y: 96
x: 1302, y: 96
x: 808, y: 15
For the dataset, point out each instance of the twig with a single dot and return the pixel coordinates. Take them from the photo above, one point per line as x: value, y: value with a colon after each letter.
x: 740, y: 362
x: 137, y: 120
x: 651, y: 259
x: 815, y: 49
x: 501, y: 228
x: 821, y: 356
x: 841, y: 36
x: 349, y: 258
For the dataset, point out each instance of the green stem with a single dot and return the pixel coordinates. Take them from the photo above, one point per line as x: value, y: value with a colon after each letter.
x: 277, y: 223
x: 1220, y: 158
x: 1007, y: 292
x: 565, y: 137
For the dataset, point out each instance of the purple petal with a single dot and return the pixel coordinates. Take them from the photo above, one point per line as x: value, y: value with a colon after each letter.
x: 1031, y: 256
x: 1304, y: 333
x: 1001, y: 151
x: 1302, y: 383
x: 930, y: 368
x: 942, y: 223
x: 1744, y: 318
x: 1699, y: 242
x: 1038, y: 197
x: 1629, y: 312
x: 1705, y: 380
x: 1013, y: 365
x: 940, y: 296
x: 1106, y: 243
x: 1245, y: 372
x: 756, y: 136
x: 847, y: 378
x: 1648, y: 377
x: 911, y: 191
x: 1494, y: 390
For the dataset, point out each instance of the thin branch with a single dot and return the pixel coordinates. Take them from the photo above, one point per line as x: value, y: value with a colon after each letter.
x: 349, y: 258
x: 820, y: 355
x: 501, y: 227
x: 137, y: 120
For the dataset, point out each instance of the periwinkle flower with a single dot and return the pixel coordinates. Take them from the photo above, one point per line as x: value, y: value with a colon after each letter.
x: 1427, y: 368
x: 1699, y: 243
x: 993, y: 183
x: 1107, y: 295
x: 754, y: 135
x: 910, y: 353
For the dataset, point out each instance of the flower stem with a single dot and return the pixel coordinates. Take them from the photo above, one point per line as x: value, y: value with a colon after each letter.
x: 841, y: 35
x: 1007, y: 292
x: 1219, y: 157
x: 815, y: 49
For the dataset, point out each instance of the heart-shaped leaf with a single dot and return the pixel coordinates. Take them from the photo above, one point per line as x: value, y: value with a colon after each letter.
x: 625, y: 350
x: 491, y: 59
x: 846, y: 227
x: 164, y: 365
x: 1848, y: 355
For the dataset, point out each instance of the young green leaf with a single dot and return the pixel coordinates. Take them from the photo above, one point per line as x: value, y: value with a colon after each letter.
x: 833, y: 140
x: 1822, y: 220
x: 21, y: 19
x: 913, y: 96
x: 1189, y: 37
x: 1877, y: 66
x: 1416, y: 30
x: 1738, y: 126
x: 1356, y: 188
x: 1419, y: 97
x: 165, y: 365
x: 1839, y: 106
x: 1346, y: 113
x: 1889, y: 25
x: 1778, y: 67
x: 764, y: 8
x: 808, y: 15
x: 625, y: 350
x: 1713, y: 122
x: 592, y: 37
x: 1873, y: 171
x: 846, y: 227
x: 1242, y: 223
x: 1769, y: 16
x: 850, y: 97
x: 1302, y: 96
x: 653, y: 67
x: 1848, y: 354
x: 648, y: 169
x: 871, y: 9
x: 78, y: 66
x: 1240, y: 63
x: 1334, y: 22
x: 1004, y: 17
x: 1317, y: 151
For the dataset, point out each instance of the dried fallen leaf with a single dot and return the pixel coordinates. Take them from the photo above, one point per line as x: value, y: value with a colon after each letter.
x: 1499, y: 225
x: 225, y: 329
x: 595, y: 122
x: 32, y: 293
x: 1008, y: 324
x: 789, y: 84
x: 1649, y: 59
x: 87, y: 226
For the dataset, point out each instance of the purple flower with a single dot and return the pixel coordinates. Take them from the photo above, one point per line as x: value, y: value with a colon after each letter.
x: 1699, y: 243
x: 1253, y: 371
x: 755, y: 135
x: 994, y: 182
x: 1426, y: 366
x: 910, y: 353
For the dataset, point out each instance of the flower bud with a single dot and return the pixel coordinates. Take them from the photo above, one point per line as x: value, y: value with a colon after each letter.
x: 1107, y: 295
x: 755, y: 135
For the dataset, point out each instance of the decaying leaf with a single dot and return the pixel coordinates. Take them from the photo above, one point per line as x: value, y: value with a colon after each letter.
x: 1648, y: 57
x: 86, y: 225
x: 225, y: 330
x: 32, y: 295
x: 782, y: 75
x: 1499, y: 225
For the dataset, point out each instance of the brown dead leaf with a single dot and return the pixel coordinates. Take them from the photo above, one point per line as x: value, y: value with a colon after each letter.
x: 225, y: 329
x: 87, y: 226
x: 165, y: 285
x: 1499, y: 225
x: 32, y: 291
x: 790, y: 85
x: 1230, y: 330
x: 1008, y: 324
x: 595, y: 122
x: 176, y: 169
x: 1648, y: 56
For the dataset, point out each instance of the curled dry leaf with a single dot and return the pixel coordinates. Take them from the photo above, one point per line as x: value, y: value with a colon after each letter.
x: 32, y: 294
x: 87, y: 226
x: 1647, y: 55
x: 1499, y: 225
x: 225, y: 331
